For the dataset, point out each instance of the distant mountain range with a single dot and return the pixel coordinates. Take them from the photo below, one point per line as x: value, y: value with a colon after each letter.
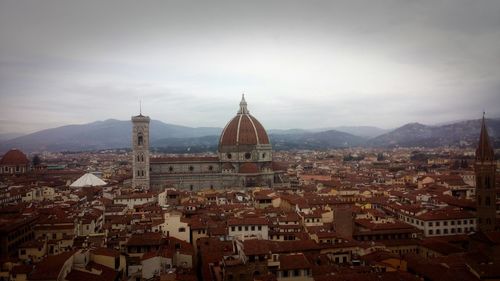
x: 111, y: 133
x: 463, y: 133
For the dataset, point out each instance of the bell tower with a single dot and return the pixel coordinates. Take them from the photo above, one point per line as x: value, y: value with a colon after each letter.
x: 485, y: 169
x: 140, y: 151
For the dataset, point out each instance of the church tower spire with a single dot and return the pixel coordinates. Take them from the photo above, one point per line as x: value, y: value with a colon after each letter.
x: 243, y: 105
x: 485, y: 170
x: 484, y: 151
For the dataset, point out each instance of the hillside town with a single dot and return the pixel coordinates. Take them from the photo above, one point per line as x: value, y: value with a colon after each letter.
x: 342, y: 214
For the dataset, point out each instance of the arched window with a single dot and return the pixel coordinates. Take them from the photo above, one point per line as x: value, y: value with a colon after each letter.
x: 140, y: 139
x: 487, y: 182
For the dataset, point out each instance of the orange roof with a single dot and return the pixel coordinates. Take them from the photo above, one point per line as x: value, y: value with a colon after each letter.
x: 294, y: 261
x: 249, y: 168
x: 14, y: 157
x: 243, y: 129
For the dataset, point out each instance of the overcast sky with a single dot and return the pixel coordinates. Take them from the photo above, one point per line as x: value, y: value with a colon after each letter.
x: 301, y: 64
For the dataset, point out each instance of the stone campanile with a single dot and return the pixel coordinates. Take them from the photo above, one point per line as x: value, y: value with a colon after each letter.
x: 485, y: 169
x: 140, y: 151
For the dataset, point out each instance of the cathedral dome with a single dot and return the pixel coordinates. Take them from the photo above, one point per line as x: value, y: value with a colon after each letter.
x: 14, y: 157
x: 243, y: 129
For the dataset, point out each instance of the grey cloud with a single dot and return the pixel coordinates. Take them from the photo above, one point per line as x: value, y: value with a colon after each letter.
x: 300, y: 62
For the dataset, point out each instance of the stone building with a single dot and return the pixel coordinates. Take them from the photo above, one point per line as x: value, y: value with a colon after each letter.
x: 244, y: 159
x: 14, y: 162
x: 485, y: 169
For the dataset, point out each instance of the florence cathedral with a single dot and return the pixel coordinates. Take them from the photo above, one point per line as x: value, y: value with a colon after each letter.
x: 244, y: 159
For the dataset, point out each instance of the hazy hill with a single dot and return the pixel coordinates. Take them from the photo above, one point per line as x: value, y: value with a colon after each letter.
x: 9, y: 136
x: 173, y: 138
x: 110, y: 133
x: 320, y: 140
x: 465, y: 133
x: 362, y: 131
x: 286, y: 140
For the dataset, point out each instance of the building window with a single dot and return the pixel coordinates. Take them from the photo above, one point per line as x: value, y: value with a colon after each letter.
x: 229, y: 156
x: 140, y: 139
x: 487, y: 202
x: 210, y: 168
x: 191, y: 168
x: 170, y: 169
x: 182, y: 229
x: 430, y: 232
x: 248, y: 155
x: 263, y: 155
x: 233, y: 228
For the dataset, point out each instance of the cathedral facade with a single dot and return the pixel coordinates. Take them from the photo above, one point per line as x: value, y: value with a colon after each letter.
x: 244, y: 159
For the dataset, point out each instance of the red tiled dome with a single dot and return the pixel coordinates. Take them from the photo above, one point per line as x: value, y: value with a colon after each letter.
x: 249, y: 168
x: 227, y: 166
x: 243, y: 129
x: 14, y: 157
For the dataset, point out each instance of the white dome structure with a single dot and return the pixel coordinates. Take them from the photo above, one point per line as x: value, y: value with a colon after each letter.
x: 88, y: 179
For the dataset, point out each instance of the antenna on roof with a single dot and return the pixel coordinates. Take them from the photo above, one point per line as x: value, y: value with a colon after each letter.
x: 140, y: 106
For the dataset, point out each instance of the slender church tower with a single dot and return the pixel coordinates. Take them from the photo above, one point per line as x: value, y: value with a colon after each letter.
x: 140, y: 151
x: 485, y: 167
